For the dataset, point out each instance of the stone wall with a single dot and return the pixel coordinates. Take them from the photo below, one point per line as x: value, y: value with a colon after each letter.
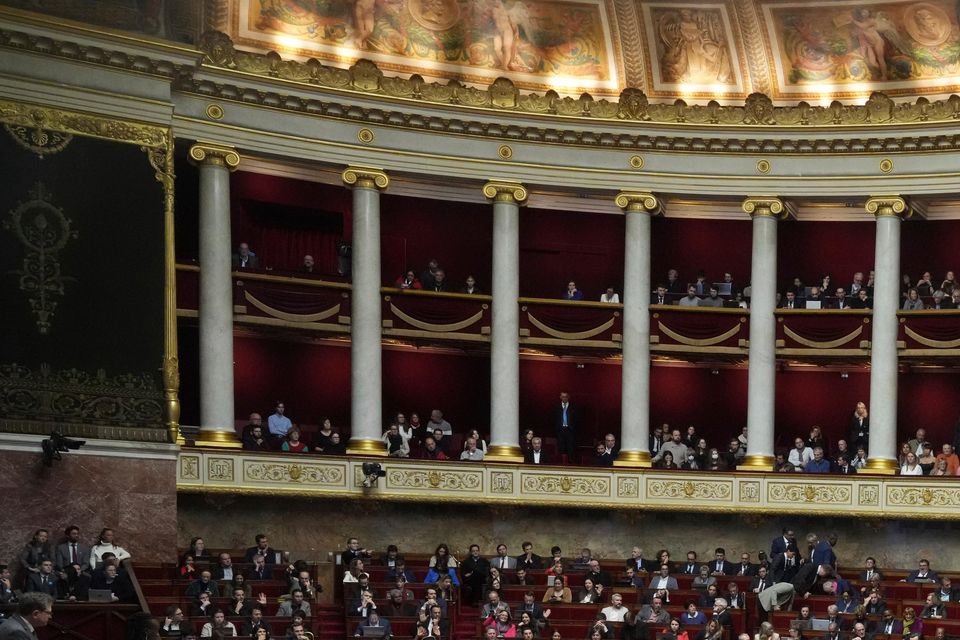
x: 134, y: 494
x: 311, y: 528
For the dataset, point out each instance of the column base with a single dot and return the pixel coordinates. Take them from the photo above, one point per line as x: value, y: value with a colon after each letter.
x: 882, y: 466
x: 635, y: 459
x: 504, y: 453
x: 757, y: 463
x: 366, y: 447
x: 219, y: 439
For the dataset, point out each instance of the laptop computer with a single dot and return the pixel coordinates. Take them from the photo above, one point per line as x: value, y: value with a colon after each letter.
x: 100, y: 595
x: 373, y: 632
x: 723, y: 288
x: 814, y: 304
x: 819, y: 624
x: 801, y: 624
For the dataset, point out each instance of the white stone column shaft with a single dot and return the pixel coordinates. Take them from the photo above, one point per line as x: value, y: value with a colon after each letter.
x: 505, y: 321
x: 635, y: 369
x: 366, y: 366
x: 216, y: 293
x: 761, y: 376
x: 882, y: 452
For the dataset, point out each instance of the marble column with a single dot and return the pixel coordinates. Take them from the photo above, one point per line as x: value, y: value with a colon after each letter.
x: 635, y: 370
x: 505, y: 325
x: 366, y: 366
x: 882, y: 454
x: 216, y: 295
x: 761, y: 377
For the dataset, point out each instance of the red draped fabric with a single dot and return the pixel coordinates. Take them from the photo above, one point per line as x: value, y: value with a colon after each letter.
x: 698, y: 325
x: 436, y: 310
x: 188, y: 290
x: 570, y: 318
x: 822, y: 328
x: 292, y: 298
x: 931, y: 331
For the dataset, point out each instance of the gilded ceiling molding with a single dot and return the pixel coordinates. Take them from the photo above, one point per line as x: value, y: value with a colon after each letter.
x: 758, y: 110
x: 85, y: 124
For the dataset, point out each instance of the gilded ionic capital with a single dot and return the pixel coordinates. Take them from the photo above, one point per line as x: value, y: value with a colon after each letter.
x: 365, y: 177
x: 505, y: 191
x: 766, y: 206
x: 218, y: 155
x: 638, y: 202
x: 888, y: 206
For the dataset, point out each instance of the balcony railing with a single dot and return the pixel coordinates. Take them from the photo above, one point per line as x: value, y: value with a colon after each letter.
x: 435, y: 316
x: 823, y: 332
x: 567, y: 323
x: 713, y: 330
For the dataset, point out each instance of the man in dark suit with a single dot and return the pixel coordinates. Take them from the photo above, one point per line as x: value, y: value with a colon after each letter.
x: 721, y: 615
x: 843, y: 466
x: 43, y: 581
x: 720, y: 566
x: 660, y: 297
x: 889, y: 625
x: 791, y: 301
x: 244, y: 258
x: 786, y: 566
x: 225, y: 569
x: 781, y: 543
x: 71, y: 552
x: 531, y: 606
x: 690, y: 567
x: 33, y: 612
x: 262, y: 549
x: 761, y: 581
x: 529, y: 560
x: 923, y: 574
x: 475, y: 570
x: 255, y: 622
x: 595, y: 573
x: 259, y: 570
x: 745, y: 568
x: 565, y: 422
x: 536, y: 455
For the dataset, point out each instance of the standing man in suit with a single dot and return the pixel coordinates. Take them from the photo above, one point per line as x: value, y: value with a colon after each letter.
x: 475, y: 571
x: 502, y: 560
x: 33, y: 612
x: 786, y: 565
x: 565, y: 421
x: 261, y: 549
x: 71, y: 552
x: 780, y: 544
x: 536, y: 455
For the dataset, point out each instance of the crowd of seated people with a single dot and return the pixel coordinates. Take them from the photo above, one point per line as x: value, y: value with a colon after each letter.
x: 434, y: 278
x: 69, y: 569
x: 531, y: 597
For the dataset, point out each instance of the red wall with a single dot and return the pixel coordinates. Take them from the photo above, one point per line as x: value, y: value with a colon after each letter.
x: 458, y: 234
x: 809, y: 249
x: 559, y: 246
x: 817, y: 397
x: 689, y: 245
x: 930, y: 245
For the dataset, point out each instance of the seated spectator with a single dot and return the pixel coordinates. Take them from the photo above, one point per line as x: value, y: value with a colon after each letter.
x: 256, y: 440
x: 256, y: 624
x: 439, y: 283
x: 219, y: 623
x: 912, y: 301
x: 926, y: 459
x: 528, y: 627
x: 74, y: 586
x: 259, y: 570
x: 408, y: 280
x: 204, y: 607
x: 397, y: 446
x: 765, y: 632
x: 432, y: 599
x: 813, y: 300
x: 471, y: 452
x: 374, y: 622
x: 278, y: 423
x: 735, y: 599
x: 436, y: 624
x: 663, y: 579
x: 692, y: 615
x: 610, y: 296
x: 400, y: 571
x: 438, y: 422
x: 430, y: 450
x: 262, y: 548
x: 933, y: 608
x: 666, y: 461
x: 691, y: 299
x: 659, y: 296
x: 442, y: 441
x: 481, y: 443
x: 925, y: 288
x: 308, y: 265
x: 818, y: 464
x: 558, y: 593
x: 601, y: 629
x: 598, y: 575
x: 224, y: 569
x: 407, y: 432
x: 105, y: 544
x: 244, y: 258
x: 240, y: 582
x: 703, y: 579
x: 715, y: 462
x: 710, y: 596
x: 321, y: 440
x: 111, y: 579
x: 940, y: 469
x: 861, y: 300
x: 601, y: 458
x: 442, y: 563
x: 590, y: 593
x: 171, y: 623
x: 470, y: 287
x: 843, y: 466
x: 305, y: 583
x: 712, y: 300
x: 296, y: 602
x: 7, y: 594
x: 631, y: 579
x: 536, y: 454
x: 840, y: 299
x: 953, y: 463
x: 335, y: 448
x: 801, y: 454
x: 923, y: 574
x: 240, y: 606
x: 44, y: 580
x: 937, y: 303
x: 860, y: 459
x: 572, y: 293
x: 292, y: 443
x: 910, y: 466
x: 397, y: 606
x: 203, y: 584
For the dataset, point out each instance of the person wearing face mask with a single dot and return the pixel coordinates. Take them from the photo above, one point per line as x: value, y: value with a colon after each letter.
x: 690, y: 462
x: 715, y: 462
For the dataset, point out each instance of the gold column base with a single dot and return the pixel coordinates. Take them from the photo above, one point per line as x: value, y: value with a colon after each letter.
x: 219, y: 439
x: 756, y: 463
x: 366, y: 447
x: 882, y: 466
x: 504, y: 453
x: 635, y: 459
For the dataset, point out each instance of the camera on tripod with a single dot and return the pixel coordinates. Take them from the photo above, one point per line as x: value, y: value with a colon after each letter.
x: 372, y: 471
x: 56, y: 444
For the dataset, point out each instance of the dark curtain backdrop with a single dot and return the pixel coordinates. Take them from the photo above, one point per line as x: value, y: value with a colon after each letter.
x: 314, y: 380
x: 809, y: 249
x: 713, y: 246
x: 930, y: 245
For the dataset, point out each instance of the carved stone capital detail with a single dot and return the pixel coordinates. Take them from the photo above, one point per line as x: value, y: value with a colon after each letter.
x: 888, y: 206
x: 638, y: 202
x: 365, y: 178
x: 218, y: 155
x: 505, y: 191
x: 765, y: 206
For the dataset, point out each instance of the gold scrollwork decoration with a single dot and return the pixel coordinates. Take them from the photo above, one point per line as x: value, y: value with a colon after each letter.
x: 820, y: 493
x: 189, y: 467
x: 628, y: 488
x: 765, y: 206
x: 39, y: 140
x: 565, y: 485
x: 749, y: 492
x: 505, y: 191
x: 79, y: 123
x: 44, y: 231
x: 220, y: 469
x: 445, y: 481
x: 690, y: 490
x: 501, y: 482
x: 296, y: 473
x: 869, y: 495
x: 638, y: 202
x: 888, y: 206
x: 218, y: 155
x: 923, y: 497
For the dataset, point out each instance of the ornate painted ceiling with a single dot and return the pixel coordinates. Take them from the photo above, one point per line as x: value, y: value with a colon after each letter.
x: 697, y: 50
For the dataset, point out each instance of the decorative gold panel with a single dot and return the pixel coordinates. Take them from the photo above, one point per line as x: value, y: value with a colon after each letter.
x: 220, y: 469
x: 809, y: 493
x: 439, y: 479
x: 628, y: 488
x: 571, y: 484
x: 189, y: 467
x: 501, y: 482
x: 922, y: 496
x: 307, y: 473
x: 749, y: 491
x: 869, y: 495
x: 691, y: 489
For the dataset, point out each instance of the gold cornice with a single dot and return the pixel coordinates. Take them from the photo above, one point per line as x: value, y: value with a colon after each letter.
x: 84, y: 124
x: 766, y: 207
x: 638, y: 202
x: 215, y: 154
x: 633, y: 105
x: 505, y: 191
x: 888, y: 206
x: 366, y: 178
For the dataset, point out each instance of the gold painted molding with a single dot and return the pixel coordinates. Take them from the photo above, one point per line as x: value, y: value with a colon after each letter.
x: 366, y: 447
x: 766, y: 207
x: 218, y: 439
x: 638, y: 202
x: 505, y: 191
x: 494, y: 482
x: 888, y: 206
x: 365, y: 178
x: 215, y: 154
x: 633, y: 459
